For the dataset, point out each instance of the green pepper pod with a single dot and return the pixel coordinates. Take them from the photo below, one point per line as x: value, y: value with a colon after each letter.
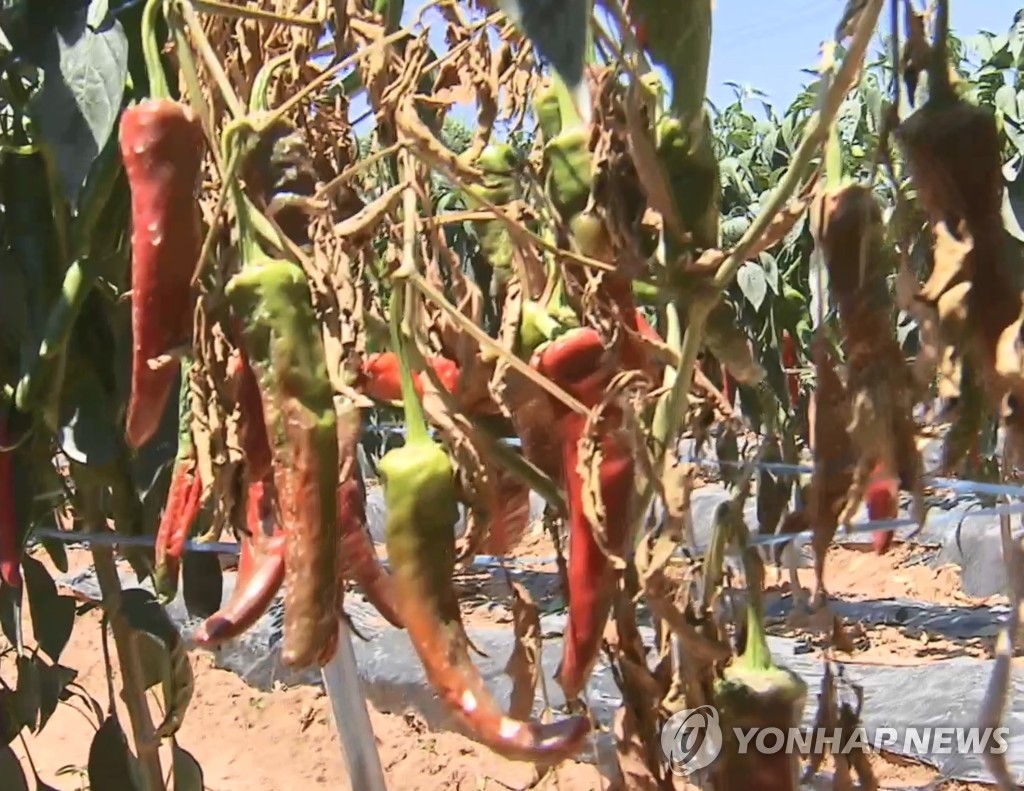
x: 421, y: 500
x: 498, y: 163
x: 285, y: 349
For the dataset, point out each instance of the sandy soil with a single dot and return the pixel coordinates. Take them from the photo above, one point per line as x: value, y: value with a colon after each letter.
x: 285, y: 740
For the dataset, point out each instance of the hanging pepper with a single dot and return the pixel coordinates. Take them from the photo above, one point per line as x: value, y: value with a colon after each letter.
x: 499, y: 164
x: 184, y: 501
x: 421, y: 499
x: 380, y: 379
x: 358, y: 557
x: 162, y: 145
x: 285, y: 349
x: 755, y: 692
x: 260, y: 575
x: 253, y: 428
x: 575, y: 363
x: 882, y: 498
x: 10, y: 548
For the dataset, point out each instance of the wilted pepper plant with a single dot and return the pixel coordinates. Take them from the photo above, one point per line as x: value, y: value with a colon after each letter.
x: 212, y: 287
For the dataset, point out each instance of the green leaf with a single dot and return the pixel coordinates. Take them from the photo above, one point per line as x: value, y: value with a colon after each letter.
x: 109, y: 758
x: 26, y: 695
x: 84, y: 73
x: 145, y: 615
x: 10, y: 724
x: 770, y: 264
x: 559, y: 29
x: 10, y: 770
x: 53, y: 683
x: 53, y: 616
x: 58, y: 553
x: 753, y: 283
x: 188, y: 775
x: 10, y: 616
x: 1013, y: 208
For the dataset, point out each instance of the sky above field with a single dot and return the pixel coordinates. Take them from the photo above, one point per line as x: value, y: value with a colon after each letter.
x: 765, y: 44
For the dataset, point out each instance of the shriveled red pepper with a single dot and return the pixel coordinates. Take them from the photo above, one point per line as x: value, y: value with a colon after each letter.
x: 421, y: 498
x: 380, y: 378
x: 184, y: 501
x: 576, y: 363
x: 260, y: 575
x: 282, y: 339
x: 162, y: 145
x: 882, y: 498
x: 358, y: 557
x: 10, y: 549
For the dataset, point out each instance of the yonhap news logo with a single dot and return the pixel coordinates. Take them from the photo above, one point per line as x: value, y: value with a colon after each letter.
x: 691, y: 739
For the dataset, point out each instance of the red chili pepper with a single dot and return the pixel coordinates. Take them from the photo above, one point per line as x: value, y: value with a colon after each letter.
x: 789, y: 363
x: 359, y: 561
x: 380, y: 379
x: 162, y: 146
x: 253, y: 429
x: 260, y: 575
x: 184, y: 500
x: 882, y: 500
x: 575, y: 362
x: 10, y: 549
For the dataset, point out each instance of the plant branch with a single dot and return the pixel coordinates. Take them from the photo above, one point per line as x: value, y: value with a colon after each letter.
x: 260, y: 15
x: 133, y: 687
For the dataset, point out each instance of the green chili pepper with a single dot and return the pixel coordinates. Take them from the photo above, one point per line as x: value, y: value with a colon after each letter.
x: 498, y: 163
x: 567, y: 169
x: 421, y: 500
x: 754, y: 692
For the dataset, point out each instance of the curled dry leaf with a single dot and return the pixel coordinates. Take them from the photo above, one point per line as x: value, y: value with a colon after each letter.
x: 847, y: 227
x: 524, y: 664
x: 953, y: 151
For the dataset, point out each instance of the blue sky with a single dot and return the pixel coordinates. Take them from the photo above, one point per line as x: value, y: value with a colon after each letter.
x: 764, y: 44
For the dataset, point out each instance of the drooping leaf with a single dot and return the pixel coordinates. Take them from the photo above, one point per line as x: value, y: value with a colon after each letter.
x: 524, y: 664
x: 10, y: 725
x: 110, y: 759
x: 188, y: 774
x: 145, y: 615
x: 770, y: 265
x: 53, y: 615
x: 57, y: 552
x: 84, y: 73
x: 26, y: 694
x: 11, y: 771
x: 752, y: 282
x: 53, y: 683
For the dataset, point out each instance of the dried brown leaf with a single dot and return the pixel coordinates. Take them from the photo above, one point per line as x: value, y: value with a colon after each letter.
x: 524, y: 664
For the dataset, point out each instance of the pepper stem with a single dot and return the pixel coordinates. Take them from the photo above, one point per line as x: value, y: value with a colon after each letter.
x: 158, y: 88
x: 756, y: 654
x: 415, y: 420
